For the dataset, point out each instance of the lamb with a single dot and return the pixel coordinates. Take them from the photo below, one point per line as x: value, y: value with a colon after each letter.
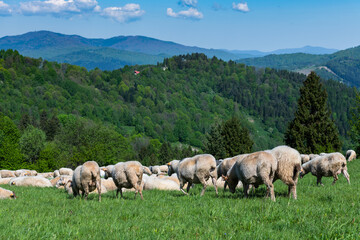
x: 126, y: 175
x: 32, y: 181
x: 7, y: 174
x: 329, y: 165
x: 304, y: 158
x: 66, y: 171
x: 4, y: 193
x: 197, y: 169
x: 87, y: 179
x: 289, y: 166
x: 255, y: 169
x: 226, y: 164
x: 350, y: 155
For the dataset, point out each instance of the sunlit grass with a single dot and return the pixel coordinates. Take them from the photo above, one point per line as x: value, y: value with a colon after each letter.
x: 329, y: 212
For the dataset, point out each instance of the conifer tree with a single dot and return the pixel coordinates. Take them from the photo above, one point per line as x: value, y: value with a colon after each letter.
x: 312, y: 130
x: 215, y: 142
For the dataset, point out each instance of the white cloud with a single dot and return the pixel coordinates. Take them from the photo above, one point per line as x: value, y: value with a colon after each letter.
x: 188, y: 3
x: 57, y: 7
x: 127, y: 13
x: 191, y: 13
x: 242, y: 7
x: 5, y: 9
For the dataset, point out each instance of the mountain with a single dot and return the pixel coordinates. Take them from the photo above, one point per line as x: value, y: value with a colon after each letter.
x: 119, y: 51
x: 342, y: 65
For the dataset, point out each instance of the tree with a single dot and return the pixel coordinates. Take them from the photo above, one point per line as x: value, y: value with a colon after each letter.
x: 10, y: 155
x: 215, y: 142
x: 355, y: 123
x: 32, y: 142
x: 312, y: 130
x: 236, y: 138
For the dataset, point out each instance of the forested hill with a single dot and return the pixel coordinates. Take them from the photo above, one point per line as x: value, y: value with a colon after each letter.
x: 342, y: 65
x: 176, y: 101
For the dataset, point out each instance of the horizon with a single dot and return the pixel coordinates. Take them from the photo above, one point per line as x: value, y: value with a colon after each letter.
x: 233, y: 25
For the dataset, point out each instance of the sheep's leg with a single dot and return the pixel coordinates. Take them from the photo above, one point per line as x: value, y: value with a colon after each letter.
x: 246, y: 190
x: 98, y: 186
x: 335, y: 179
x: 182, y: 185
x: 119, y: 190
x: 225, y: 184
x: 86, y: 191
x: 318, y: 181
x: 214, y: 182
x: 204, y: 186
x: 188, y: 187
x: 270, y: 189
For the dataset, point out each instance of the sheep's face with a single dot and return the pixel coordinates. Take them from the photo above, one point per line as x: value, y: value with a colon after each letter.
x: 302, y: 173
x: 232, y: 184
x: 107, y: 173
x: 170, y: 169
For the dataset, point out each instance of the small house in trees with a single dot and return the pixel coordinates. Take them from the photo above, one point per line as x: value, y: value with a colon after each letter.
x: 136, y: 72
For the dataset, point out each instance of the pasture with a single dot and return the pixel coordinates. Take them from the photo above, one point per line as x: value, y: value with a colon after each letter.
x: 328, y: 212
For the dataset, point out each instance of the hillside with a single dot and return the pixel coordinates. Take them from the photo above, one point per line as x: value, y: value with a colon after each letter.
x: 342, y: 65
x: 184, y: 93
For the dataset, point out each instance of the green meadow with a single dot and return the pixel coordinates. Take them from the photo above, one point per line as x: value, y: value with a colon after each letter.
x: 328, y: 212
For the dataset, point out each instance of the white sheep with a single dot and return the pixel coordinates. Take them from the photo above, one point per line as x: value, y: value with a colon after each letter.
x: 126, y: 175
x: 255, y: 169
x: 4, y: 193
x: 46, y: 174
x: 329, y: 165
x: 155, y: 182
x: 89, y: 179
x: 197, y: 169
x: 32, y: 181
x: 225, y: 165
x: 5, y: 180
x: 350, y: 155
x: 66, y: 171
x: 56, y: 173
x: 304, y: 158
x: 7, y: 174
x: 289, y: 166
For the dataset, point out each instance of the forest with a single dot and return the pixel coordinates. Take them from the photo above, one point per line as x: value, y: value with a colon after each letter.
x: 54, y: 114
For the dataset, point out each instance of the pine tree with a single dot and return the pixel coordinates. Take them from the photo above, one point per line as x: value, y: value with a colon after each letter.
x: 355, y: 123
x: 236, y: 138
x: 215, y: 142
x: 312, y: 130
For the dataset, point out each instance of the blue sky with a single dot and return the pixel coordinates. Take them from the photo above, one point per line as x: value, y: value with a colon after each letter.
x: 263, y: 25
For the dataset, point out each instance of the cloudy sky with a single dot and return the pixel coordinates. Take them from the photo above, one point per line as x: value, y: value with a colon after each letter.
x: 232, y: 24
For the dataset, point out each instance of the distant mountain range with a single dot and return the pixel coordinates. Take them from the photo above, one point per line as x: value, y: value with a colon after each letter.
x: 116, y: 52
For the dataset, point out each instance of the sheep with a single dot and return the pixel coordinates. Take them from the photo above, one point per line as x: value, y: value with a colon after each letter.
x: 46, y: 174
x: 55, y: 180
x: 172, y: 167
x: 289, y: 165
x: 326, y: 166
x: 108, y: 184
x: 154, y: 182
x: 66, y: 171
x: 126, y: 175
x: 56, y: 173
x: 255, y: 169
x: 4, y: 193
x: 62, y: 180
x: 5, y: 180
x: 32, y: 181
x: 22, y: 172
x: 350, y: 155
x: 75, y: 181
x: 304, y: 158
x: 147, y: 170
x: 159, y: 169
x: 196, y: 169
x: 312, y: 156
x: 226, y: 164
x: 89, y: 179
x: 7, y: 174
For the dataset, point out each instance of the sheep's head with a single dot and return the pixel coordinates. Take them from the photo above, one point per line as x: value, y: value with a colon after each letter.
x: 232, y: 183
x: 302, y: 172
x: 12, y: 195
x: 107, y: 173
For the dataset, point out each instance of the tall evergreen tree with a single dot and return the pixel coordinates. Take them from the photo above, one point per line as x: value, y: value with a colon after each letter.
x: 236, y: 138
x: 312, y: 130
x: 215, y: 142
x: 355, y: 123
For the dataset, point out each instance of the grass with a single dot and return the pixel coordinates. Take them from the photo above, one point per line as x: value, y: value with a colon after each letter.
x: 329, y: 212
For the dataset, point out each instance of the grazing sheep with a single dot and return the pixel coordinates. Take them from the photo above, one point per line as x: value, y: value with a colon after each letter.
x: 75, y: 182
x: 154, y: 182
x: 46, y: 174
x: 90, y: 178
x: 289, y: 165
x: 197, y: 169
x: 172, y: 167
x: 66, y: 171
x: 255, y: 169
x: 304, y: 158
x: 4, y: 193
x: 7, y: 174
x: 56, y: 173
x: 350, y: 155
x: 126, y: 175
x: 329, y: 165
x: 226, y: 164
x: 5, y: 180
x: 32, y: 181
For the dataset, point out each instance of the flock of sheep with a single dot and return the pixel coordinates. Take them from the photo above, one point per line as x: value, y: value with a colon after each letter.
x: 246, y: 170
